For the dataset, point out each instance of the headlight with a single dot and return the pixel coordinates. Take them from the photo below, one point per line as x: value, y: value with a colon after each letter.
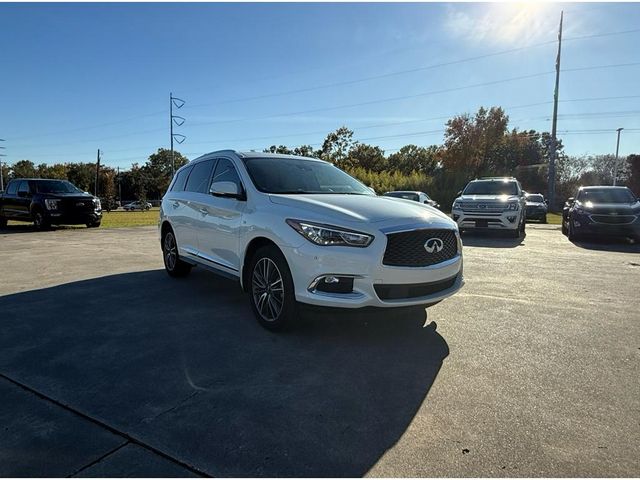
x: 51, y: 203
x: 328, y: 235
x: 457, y: 205
x: 513, y: 206
x: 98, y: 205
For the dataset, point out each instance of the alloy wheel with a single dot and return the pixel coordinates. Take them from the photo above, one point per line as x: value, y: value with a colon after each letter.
x: 267, y: 289
x: 170, y: 251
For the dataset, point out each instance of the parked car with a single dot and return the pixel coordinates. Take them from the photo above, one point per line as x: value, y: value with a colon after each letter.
x: 419, y: 197
x: 602, y: 211
x: 48, y: 202
x: 496, y: 203
x: 536, y: 207
x: 137, y: 205
x: 299, y: 230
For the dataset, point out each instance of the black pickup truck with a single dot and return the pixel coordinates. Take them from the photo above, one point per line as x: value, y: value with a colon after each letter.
x: 48, y: 202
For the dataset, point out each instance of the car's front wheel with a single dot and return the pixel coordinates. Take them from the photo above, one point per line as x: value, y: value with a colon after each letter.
x: 271, y: 289
x: 174, y: 266
x: 40, y: 222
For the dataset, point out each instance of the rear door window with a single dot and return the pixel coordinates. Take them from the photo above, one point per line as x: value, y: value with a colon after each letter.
x: 24, y: 187
x: 199, y: 179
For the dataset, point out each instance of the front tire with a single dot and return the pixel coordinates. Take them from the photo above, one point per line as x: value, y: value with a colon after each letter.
x: 40, y: 222
x: 3, y: 222
x: 271, y: 290
x: 174, y: 266
x: 93, y: 224
x: 544, y: 219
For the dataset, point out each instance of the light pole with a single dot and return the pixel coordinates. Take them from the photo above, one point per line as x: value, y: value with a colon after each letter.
x: 615, y: 167
x: 1, y: 177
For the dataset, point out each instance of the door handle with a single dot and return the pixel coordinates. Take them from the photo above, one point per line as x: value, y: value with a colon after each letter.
x: 204, y: 211
x: 175, y: 204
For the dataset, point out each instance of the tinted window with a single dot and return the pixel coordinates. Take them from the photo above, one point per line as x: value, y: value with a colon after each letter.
x: 491, y: 187
x: 535, y: 198
x: 56, y: 186
x: 181, y: 180
x: 12, y: 188
x: 292, y: 175
x: 226, y: 172
x: 607, y: 195
x: 24, y: 186
x: 199, y: 178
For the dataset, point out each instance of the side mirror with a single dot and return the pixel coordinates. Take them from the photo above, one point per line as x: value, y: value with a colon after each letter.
x: 459, y: 193
x: 570, y: 199
x: 225, y: 189
x: 426, y: 201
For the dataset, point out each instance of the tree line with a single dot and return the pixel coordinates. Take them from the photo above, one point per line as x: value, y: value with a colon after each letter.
x: 475, y: 145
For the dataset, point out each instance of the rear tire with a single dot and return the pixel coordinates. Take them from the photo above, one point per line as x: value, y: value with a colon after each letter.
x: 93, y: 224
x: 271, y: 290
x: 3, y: 222
x: 172, y: 264
x: 544, y: 219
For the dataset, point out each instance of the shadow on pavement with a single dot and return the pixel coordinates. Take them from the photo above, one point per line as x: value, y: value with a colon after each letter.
x: 491, y: 239
x: 622, y: 245
x: 183, y: 366
x: 29, y: 228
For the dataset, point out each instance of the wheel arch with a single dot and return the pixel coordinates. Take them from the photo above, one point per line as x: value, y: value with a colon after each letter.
x: 253, y: 246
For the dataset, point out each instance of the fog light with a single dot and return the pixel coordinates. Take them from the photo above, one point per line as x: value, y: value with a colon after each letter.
x: 576, y: 223
x: 333, y: 284
x: 456, y: 217
x: 511, y: 219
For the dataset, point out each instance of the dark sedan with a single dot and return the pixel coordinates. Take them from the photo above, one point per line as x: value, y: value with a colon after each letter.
x: 602, y: 211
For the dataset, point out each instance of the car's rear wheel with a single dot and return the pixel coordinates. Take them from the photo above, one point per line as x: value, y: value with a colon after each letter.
x: 174, y: 266
x: 3, y: 222
x: 93, y: 224
x: 544, y: 219
x: 271, y: 289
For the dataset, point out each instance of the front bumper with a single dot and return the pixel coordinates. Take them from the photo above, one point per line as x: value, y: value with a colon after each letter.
x: 505, y: 220
x: 584, y: 225
x: 364, y: 266
x: 73, y: 218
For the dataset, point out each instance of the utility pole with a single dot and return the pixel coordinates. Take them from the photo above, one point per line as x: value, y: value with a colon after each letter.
x: 178, y: 120
x: 1, y: 176
x: 97, y: 173
x: 119, y: 187
x: 615, y: 168
x: 553, y: 150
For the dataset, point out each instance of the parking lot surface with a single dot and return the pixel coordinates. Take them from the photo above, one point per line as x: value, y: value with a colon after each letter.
x: 108, y: 367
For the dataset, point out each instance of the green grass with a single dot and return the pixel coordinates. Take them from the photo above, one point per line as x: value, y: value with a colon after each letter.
x: 554, y: 218
x: 118, y: 219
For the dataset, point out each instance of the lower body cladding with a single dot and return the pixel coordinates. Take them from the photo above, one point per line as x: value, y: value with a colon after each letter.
x: 73, y: 218
x: 346, y: 277
x: 483, y: 221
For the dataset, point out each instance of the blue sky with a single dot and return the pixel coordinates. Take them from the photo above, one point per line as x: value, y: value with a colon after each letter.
x: 78, y: 77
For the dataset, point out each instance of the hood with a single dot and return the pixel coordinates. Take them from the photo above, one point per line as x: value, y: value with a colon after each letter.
x: 80, y: 196
x: 488, y: 198
x: 359, y: 208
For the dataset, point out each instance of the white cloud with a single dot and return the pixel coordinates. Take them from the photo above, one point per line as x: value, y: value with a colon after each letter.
x: 503, y: 23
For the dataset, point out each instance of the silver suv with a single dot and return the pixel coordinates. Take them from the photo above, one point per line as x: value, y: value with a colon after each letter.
x: 496, y: 203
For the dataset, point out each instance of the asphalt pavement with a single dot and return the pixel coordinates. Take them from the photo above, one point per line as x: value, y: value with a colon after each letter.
x: 108, y: 367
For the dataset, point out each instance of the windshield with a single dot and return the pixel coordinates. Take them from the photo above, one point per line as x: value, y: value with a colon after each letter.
x: 608, y: 195
x: 535, y: 198
x: 491, y: 187
x: 405, y: 195
x: 291, y: 175
x: 56, y: 186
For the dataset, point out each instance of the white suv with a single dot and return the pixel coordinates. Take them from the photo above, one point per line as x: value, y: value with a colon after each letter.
x: 491, y: 203
x: 295, y: 229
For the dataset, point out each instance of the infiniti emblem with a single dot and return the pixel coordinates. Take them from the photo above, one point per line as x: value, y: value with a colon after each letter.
x: 433, y: 245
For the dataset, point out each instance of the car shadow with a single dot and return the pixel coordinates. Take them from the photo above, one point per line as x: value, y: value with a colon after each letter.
x: 30, y: 228
x: 622, y: 245
x: 182, y: 365
x: 491, y: 239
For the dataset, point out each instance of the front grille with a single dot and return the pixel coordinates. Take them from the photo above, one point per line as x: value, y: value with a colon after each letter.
x: 613, y: 219
x: 482, y: 208
x: 412, y: 290
x: 71, y: 205
x: 407, y: 249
